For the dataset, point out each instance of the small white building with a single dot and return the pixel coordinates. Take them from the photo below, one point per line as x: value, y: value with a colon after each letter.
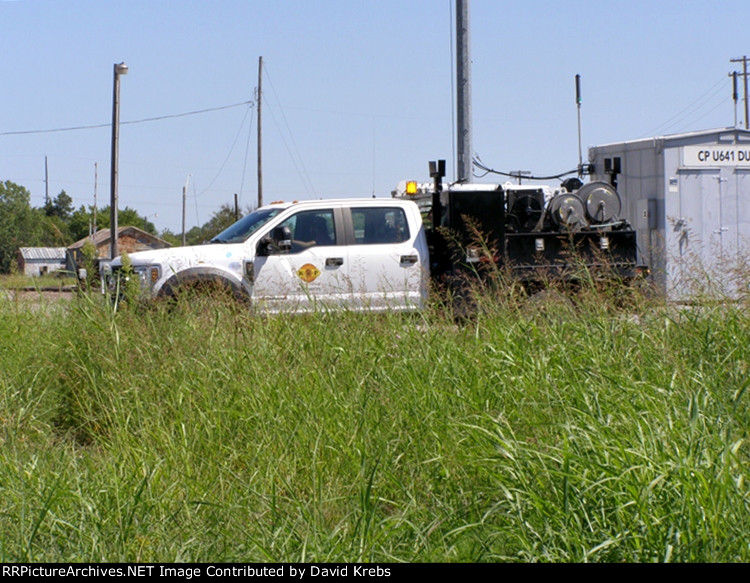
x: 36, y: 261
x: 688, y: 197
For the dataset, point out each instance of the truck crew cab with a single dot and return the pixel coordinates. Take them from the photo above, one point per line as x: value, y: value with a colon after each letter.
x: 357, y: 254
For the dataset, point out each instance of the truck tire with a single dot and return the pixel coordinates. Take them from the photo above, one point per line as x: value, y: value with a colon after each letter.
x: 463, y: 302
x: 203, y: 284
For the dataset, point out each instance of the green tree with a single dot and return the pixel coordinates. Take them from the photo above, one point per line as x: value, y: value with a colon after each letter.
x: 55, y: 230
x: 195, y: 236
x: 82, y: 220
x: 168, y: 236
x: 57, y: 215
x: 20, y: 225
x: 130, y: 217
x: 220, y: 220
x: 61, y: 206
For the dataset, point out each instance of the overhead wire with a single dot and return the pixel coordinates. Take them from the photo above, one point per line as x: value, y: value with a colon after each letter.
x: 304, y: 174
x: 131, y: 122
x: 487, y: 170
x: 683, y: 114
x: 247, y: 150
x: 231, y: 149
x: 681, y: 117
x: 722, y: 103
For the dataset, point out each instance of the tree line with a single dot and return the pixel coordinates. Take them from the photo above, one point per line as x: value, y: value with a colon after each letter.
x: 58, y: 224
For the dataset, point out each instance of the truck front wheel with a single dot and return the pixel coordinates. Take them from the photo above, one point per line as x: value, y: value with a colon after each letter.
x: 197, y: 290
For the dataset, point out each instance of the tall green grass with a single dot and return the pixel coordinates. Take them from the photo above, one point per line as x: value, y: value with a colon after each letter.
x: 566, y: 432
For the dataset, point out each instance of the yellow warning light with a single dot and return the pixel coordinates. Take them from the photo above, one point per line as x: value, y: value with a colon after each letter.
x: 411, y: 187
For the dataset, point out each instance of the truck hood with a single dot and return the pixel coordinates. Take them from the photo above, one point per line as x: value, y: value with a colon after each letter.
x: 185, y: 256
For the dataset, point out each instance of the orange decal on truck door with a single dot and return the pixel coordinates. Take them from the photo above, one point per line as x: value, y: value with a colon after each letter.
x: 308, y: 273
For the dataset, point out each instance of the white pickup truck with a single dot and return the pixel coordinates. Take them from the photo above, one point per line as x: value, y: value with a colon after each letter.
x: 366, y: 254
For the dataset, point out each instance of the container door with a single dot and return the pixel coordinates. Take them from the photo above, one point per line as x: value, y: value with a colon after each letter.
x: 699, y: 234
x: 742, y: 203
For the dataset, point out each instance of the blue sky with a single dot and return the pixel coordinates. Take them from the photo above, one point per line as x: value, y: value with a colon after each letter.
x: 357, y: 93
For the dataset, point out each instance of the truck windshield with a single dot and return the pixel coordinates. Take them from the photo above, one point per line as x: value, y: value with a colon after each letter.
x: 246, y: 226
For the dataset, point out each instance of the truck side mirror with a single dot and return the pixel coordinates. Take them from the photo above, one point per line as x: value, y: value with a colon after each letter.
x: 278, y: 241
x: 282, y: 238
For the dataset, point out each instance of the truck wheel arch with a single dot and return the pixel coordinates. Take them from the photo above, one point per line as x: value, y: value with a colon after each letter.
x: 200, y: 279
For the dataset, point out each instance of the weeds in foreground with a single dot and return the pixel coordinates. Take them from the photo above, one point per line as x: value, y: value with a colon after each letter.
x: 581, y: 433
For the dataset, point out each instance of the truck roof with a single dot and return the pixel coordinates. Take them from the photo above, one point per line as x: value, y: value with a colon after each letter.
x: 337, y: 202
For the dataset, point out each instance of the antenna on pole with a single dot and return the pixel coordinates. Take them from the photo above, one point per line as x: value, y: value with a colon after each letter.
x: 735, y: 95
x: 578, y: 104
x: 744, y: 74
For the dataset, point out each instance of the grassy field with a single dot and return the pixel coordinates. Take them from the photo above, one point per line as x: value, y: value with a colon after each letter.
x: 56, y: 281
x: 566, y: 433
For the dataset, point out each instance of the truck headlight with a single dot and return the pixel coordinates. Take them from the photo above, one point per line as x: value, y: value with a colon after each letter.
x: 148, y: 275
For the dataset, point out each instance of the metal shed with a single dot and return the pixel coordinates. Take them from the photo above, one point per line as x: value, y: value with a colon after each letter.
x: 688, y: 197
x: 36, y: 261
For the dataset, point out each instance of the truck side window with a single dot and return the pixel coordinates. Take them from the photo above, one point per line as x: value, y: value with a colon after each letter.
x: 374, y: 226
x: 310, y: 229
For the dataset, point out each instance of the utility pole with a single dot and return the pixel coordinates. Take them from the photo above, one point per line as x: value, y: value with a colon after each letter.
x: 184, y: 203
x: 46, y: 181
x: 578, y: 104
x: 463, y: 90
x: 96, y: 185
x: 519, y: 174
x: 743, y: 60
x: 119, y: 69
x: 259, y: 100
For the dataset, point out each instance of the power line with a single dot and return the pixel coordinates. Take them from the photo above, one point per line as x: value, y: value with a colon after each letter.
x: 247, y: 149
x: 487, y: 170
x: 231, y: 149
x: 295, y: 156
x: 689, y: 110
x: 137, y: 121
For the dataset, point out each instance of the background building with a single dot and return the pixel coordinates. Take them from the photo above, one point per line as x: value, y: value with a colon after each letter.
x: 130, y: 240
x: 36, y: 261
x: 688, y: 197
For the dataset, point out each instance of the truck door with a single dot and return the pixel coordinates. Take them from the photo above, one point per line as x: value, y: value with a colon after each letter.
x: 385, y: 264
x: 313, y: 273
